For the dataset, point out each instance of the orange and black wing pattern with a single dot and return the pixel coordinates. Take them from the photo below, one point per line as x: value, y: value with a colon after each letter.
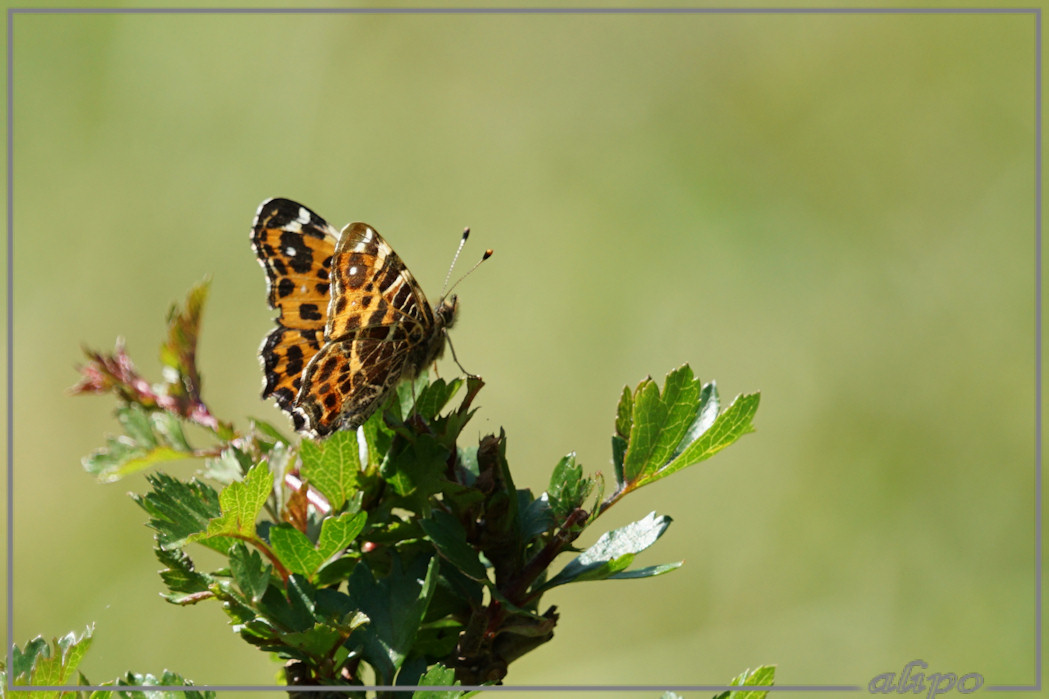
x: 295, y: 247
x: 353, y: 321
x: 378, y: 320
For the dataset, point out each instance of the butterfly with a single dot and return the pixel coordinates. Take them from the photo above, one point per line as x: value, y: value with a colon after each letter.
x: 352, y: 321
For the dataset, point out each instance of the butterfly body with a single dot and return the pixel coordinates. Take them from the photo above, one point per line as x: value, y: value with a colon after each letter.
x: 353, y: 321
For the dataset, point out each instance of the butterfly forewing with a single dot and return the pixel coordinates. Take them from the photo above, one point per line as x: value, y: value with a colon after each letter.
x: 295, y: 247
x: 371, y: 286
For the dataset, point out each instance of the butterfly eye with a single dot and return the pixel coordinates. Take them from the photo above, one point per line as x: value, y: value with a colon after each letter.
x: 446, y: 310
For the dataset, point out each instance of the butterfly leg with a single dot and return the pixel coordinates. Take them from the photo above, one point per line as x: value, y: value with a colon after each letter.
x: 457, y: 362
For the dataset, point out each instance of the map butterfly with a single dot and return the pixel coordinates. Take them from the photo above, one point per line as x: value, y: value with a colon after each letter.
x: 352, y: 319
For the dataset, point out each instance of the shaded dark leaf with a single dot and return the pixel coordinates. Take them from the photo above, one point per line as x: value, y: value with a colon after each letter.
x: 449, y: 537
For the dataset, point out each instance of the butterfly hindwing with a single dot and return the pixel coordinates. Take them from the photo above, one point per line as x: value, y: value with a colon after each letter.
x: 285, y: 353
x: 349, y: 379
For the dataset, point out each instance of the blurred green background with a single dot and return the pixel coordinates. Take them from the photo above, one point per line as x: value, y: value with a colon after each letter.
x: 837, y: 211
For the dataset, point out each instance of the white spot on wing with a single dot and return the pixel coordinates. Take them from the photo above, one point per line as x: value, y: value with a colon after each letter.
x: 365, y: 239
x: 290, y: 251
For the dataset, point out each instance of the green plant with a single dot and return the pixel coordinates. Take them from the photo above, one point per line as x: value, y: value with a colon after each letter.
x: 396, y: 553
x: 40, y: 664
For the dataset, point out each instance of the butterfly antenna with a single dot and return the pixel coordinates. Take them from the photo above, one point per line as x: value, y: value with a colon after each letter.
x: 462, y: 242
x: 485, y: 256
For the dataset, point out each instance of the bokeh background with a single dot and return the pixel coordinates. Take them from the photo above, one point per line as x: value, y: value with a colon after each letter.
x: 836, y: 210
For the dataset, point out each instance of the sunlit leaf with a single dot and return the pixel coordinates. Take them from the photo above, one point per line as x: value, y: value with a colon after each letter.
x: 240, y: 503
x: 332, y: 467
x: 613, y: 552
x: 661, y: 432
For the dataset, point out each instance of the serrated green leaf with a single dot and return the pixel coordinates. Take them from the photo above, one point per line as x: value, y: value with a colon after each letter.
x: 613, y: 552
x: 449, y: 537
x: 42, y: 665
x: 338, y: 609
x: 333, y: 467
x: 179, y: 510
x: 135, y: 421
x: 73, y: 650
x: 403, y: 400
x: 249, y: 571
x: 240, y: 504
x: 644, y: 428
x: 336, y: 570
x: 120, y: 458
x: 162, y: 683
x: 180, y: 575
x: 395, y: 606
x: 437, y: 676
x: 732, y: 424
x: 417, y: 468
x: 294, y: 549
x: 450, y: 426
x: 169, y: 428
x: 150, y: 438
x: 625, y: 413
x: 674, y: 428
x: 660, y: 420
x: 377, y: 438
x: 435, y: 396
x: 229, y: 466
x: 315, y: 642
x: 337, y: 533
x: 22, y: 660
x: 597, y: 570
x: 298, y: 553
x: 290, y: 610
x: 568, y: 488
x: 566, y: 474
